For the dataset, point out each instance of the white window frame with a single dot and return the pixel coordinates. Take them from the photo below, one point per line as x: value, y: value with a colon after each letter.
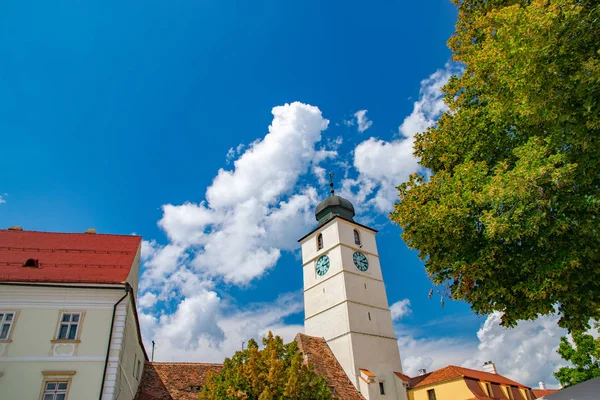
x: 69, y: 324
x: 5, y: 322
x: 55, y: 392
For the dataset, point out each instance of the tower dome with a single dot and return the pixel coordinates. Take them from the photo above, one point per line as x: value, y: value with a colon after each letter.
x: 334, y: 206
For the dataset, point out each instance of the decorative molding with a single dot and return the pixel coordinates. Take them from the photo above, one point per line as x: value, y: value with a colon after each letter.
x: 52, y: 358
x: 362, y: 275
x: 61, y: 373
x: 76, y: 341
x: 346, y: 301
x: 360, y: 333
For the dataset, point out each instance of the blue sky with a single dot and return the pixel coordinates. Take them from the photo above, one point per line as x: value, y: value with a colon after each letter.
x: 152, y: 117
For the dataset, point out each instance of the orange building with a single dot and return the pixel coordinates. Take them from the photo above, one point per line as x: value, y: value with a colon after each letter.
x: 458, y: 383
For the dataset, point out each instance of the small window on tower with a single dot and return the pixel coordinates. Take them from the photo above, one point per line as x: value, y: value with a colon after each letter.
x: 381, y: 388
x: 369, y: 316
x: 356, y: 237
x: 319, y: 241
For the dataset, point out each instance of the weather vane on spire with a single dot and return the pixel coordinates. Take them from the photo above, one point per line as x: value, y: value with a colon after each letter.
x: 331, y: 183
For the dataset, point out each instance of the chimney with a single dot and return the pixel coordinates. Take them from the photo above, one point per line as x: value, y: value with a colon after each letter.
x: 542, y: 386
x: 91, y: 230
x: 490, y: 367
x: 15, y: 228
x: 422, y: 371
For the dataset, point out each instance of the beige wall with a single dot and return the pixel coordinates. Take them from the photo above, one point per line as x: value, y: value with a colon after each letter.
x: 33, y: 351
x: 131, y: 353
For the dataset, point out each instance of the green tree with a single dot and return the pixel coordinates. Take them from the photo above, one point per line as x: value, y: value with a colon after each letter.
x: 584, y: 355
x: 509, y: 218
x: 275, y: 372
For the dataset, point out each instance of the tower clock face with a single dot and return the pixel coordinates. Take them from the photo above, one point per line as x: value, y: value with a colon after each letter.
x: 322, y: 265
x: 361, y: 261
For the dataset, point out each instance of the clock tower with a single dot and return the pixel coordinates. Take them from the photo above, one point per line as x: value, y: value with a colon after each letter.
x: 345, y: 300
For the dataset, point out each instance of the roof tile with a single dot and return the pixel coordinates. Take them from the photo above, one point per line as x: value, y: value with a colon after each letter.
x: 66, y: 257
x: 172, y: 381
x: 324, y: 364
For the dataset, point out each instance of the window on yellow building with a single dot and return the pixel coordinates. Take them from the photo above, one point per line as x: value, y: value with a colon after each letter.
x: 55, y: 391
x: 431, y: 394
x: 69, y: 325
x: 6, y: 322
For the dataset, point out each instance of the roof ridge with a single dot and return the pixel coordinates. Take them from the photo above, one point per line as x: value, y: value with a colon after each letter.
x: 70, y: 233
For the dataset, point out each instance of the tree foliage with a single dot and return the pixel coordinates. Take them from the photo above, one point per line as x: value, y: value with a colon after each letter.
x: 276, y: 372
x: 509, y: 218
x: 584, y: 355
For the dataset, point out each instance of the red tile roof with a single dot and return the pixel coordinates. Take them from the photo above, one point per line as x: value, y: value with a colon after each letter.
x: 323, y: 362
x: 172, y: 381
x: 453, y: 372
x: 66, y: 257
x: 543, y: 392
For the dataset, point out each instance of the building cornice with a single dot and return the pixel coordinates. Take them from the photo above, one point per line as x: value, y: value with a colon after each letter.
x: 331, y: 222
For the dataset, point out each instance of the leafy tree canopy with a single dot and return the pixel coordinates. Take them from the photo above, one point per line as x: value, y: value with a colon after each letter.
x: 276, y: 372
x: 584, y: 354
x: 509, y: 218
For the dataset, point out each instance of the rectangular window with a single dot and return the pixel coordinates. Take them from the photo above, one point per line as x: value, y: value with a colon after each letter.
x: 69, y: 323
x: 381, y: 388
x: 431, y: 394
x: 6, y: 321
x: 55, y: 391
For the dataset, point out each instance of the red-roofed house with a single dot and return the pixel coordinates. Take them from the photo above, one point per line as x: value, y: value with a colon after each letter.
x: 459, y: 383
x: 68, y: 320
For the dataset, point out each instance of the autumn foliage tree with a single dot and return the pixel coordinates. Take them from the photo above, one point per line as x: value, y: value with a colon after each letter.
x: 275, y: 372
x: 509, y: 218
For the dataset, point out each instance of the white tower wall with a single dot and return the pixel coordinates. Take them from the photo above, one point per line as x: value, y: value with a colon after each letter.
x: 349, y: 307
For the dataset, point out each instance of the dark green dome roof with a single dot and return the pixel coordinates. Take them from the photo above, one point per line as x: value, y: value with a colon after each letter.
x: 334, y: 206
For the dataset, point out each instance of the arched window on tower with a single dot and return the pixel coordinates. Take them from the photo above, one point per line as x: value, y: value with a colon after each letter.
x: 356, y: 237
x: 319, y: 241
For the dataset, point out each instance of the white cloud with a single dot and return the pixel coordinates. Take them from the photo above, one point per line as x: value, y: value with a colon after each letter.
x: 2, y: 200
x: 526, y: 353
x: 250, y: 215
x: 383, y: 165
x: 147, y: 300
x: 253, y: 211
x: 400, y: 309
x: 203, y: 328
x: 362, y: 120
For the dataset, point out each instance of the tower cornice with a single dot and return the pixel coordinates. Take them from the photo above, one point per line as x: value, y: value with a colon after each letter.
x: 331, y: 221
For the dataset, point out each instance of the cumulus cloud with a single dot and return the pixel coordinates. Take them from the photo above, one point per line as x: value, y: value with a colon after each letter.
x: 251, y: 213
x: 362, y: 120
x: 204, y: 329
x: 526, y: 353
x: 383, y: 165
x: 2, y: 200
x: 400, y: 309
